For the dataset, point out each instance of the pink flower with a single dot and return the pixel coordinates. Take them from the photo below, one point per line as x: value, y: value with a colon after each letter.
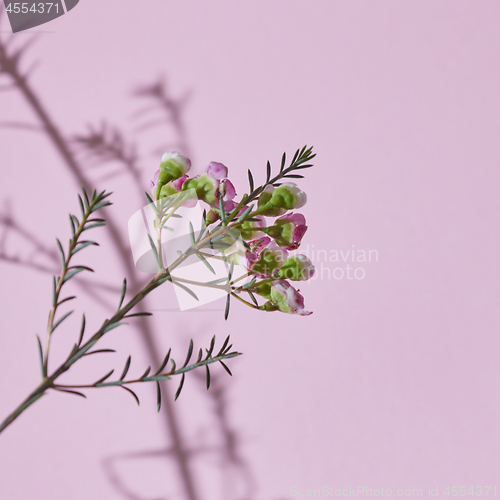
x: 265, y: 258
x: 287, y: 299
x: 288, y: 230
x: 179, y: 182
x: 216, y: 170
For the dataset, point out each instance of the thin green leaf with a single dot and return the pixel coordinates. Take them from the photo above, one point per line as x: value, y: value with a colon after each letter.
x: 200, y: 354
x: 177, y: 394
x: 104, y: 195
x: 63, y: 256
x: 283, y: 160
x: 185, y: 288
x: 250, y: 283
x: 268, y: 177
x: 148, y: 198
x: 73, y: 272
x: 40, y: 352
x: 66, y: 300
x: 245, y: 213
x: 293, y: 176
x: 97, y: 224
x: 113, y: 326
x: 82, y: 208
x: 203, y: 225
x: 133, y: 394
x: 250, y: 180
x: 215, y: 282
x: 101, y: 205
x: 254, y: 300
x: 191, y: 232
x: 125, y: 369
x: 84, y: 268
x: 98, y: 351
x: 82, y: 245
x: 173, y: 366
x: 155, y: 250
x: 205, y: 261
x: 211, y: 348
x: 85, y: 198
x: 138, y: 314
x: 101, y: 380
x: 54, y: 291
x: 124, y: 291
x: 189, y: 354
x: 58, y: 322
x: 158, y: 396
x: 225, y: 367
x: 230, y: 274
x: 76, y: 222
x: 164, y: 364
x: 224, y: 345
x: 82, y: 331
x: 73, y: 228
x: 228, y: 303
x: 69, y: 391
x: 146, y: 373
x: 295, y: 156
x: 208, y: 377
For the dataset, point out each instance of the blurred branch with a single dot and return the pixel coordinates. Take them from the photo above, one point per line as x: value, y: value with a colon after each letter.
x: 170, y: 111
x: 108, y: 144
x: 10, y: 68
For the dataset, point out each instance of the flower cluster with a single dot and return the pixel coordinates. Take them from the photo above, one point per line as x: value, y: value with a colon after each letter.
x: 265, y: 250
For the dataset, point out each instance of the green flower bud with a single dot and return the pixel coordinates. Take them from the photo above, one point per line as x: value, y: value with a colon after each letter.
x: 297, y: 268
x: 205, y: 186
x: 288, y: 196
x: 251, y: 229
x: 263, y: 289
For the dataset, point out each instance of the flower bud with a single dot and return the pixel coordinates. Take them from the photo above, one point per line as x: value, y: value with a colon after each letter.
x: 270, y: 260
x: 285, y: 299
x: 264, y: 204
x: 250, y: 229
x: 206, y: 188
x: 288, y: 196
x: 216, y: 170
x: 173, y: 187
x: 288, y: 230
x: 173, y: 166
x: 212, y: 216
x: 297, y: 268
x: 276, y: 201
x: 264, y: 289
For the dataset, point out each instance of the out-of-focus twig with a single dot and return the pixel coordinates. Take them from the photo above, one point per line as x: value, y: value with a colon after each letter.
x: 164, y: 110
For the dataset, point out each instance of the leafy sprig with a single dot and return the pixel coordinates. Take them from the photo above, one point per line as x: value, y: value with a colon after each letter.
x: 161, y: 373
x: 299, y: 162
x: 88, y: 207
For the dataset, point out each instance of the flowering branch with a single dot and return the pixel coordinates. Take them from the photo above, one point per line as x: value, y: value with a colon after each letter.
x: 267, y: 260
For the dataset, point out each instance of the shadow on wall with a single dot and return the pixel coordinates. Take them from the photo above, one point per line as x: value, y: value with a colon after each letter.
x: 106, y: 147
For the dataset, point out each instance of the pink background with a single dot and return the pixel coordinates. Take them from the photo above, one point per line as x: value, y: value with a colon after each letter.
x: 393, y: 381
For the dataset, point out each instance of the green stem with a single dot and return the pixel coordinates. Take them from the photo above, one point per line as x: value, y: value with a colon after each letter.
x: 48, y: 381
x: 244, y: 301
